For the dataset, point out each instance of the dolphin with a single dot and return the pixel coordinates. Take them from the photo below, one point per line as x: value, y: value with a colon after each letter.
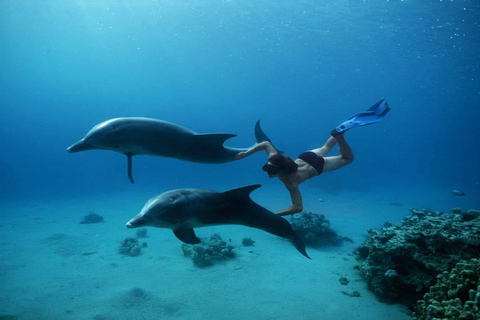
x: 184, y: 209
x: 146, y: 136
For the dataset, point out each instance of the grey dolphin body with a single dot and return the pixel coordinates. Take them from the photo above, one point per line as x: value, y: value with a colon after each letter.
x: 145, y: 136
x: 184, y: 209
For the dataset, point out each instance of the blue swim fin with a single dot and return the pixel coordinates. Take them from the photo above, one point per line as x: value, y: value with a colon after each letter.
x: 373, y: 115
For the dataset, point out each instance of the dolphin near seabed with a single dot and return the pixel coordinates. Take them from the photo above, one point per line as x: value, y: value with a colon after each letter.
x: 146, y: 136
x: 182, y: 210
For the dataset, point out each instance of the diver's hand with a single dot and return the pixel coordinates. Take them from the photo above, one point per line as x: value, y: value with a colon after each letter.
x: 257, y: 147
x: 241, y: 155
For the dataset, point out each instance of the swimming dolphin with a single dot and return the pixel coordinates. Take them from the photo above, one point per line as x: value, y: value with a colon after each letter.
x: 145, y: 136
x: 184, y: 209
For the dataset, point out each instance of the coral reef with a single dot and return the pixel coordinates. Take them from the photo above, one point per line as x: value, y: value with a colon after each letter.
x: 131, y: 247
x: 314, y: 229
x: 206, y: 254
x: 92, y: 217
x: 248, y: 242
x: 142, y: 233
x: 400, y: 262
x: 455, y: 296
x: 466, y: 215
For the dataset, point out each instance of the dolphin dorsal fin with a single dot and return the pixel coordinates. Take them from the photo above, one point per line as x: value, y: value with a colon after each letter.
x: 215, y: 138
x: 242, y: 192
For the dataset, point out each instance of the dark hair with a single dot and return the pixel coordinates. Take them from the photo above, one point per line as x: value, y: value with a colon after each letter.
x: 284, y: 162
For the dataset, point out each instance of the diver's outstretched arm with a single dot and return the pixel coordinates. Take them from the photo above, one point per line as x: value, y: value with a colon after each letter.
x: 297, y: 203
x: 265, y: 145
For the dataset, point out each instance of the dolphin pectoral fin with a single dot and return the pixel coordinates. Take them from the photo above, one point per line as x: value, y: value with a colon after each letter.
x: 186, y: 235
x: 299, y: 245
x: 129, y: 157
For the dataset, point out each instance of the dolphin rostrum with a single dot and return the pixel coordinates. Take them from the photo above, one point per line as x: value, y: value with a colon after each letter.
x: 145, y: 136
x: 184, y: 209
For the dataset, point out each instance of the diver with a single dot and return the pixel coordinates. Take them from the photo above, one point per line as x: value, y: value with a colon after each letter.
x: 313, y: 162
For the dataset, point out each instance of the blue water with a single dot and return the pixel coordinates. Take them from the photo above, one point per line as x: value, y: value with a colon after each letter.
x: 302, y: 67
x: 219, y: 66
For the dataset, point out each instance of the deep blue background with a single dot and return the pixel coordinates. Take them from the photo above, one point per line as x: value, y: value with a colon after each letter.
x: 218, y: 66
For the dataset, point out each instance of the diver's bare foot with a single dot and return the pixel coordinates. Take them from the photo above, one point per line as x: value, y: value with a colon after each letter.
x: 335, y: 133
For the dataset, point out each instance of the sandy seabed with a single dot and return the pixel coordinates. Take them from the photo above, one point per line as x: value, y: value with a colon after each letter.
x: 52, y: 267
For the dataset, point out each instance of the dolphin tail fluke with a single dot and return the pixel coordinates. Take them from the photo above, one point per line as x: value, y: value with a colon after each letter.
x: 260, y: 136
x: 299, y: 245
x: 129, y: 157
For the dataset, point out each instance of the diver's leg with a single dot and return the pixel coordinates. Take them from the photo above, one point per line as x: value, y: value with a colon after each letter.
x: 326, y: 148
x: 345, y: 157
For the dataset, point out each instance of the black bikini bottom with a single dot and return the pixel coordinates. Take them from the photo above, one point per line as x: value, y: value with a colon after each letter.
x: 314, y: 160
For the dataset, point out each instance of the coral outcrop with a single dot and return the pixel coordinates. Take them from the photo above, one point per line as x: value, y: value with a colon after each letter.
x: 92, y: 217
x: 314, y: 229
x: 456, y: 296
x: 248, y: 242
x: 466, y: 215
x: 131, y: 247
x: 400, y: 262
x: 208, y: 252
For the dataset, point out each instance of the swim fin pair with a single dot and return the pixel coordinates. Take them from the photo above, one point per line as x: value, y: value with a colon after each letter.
x: 371, y: 116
